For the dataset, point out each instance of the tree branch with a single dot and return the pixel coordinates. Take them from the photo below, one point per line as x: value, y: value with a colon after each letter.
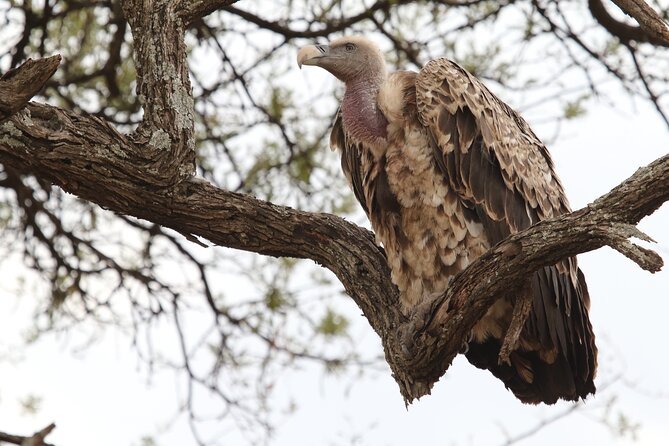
x: 87, y: 157
x: 19, y: 85
x: 37, y: 439
x: 331, y: 27
x: 646, y: 16
x: 652, y: 30
x: 334, y: 26
x: 167, y: 129
x: 191, y: 11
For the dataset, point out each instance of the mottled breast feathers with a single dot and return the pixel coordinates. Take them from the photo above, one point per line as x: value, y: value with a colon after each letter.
x: 473, y: 172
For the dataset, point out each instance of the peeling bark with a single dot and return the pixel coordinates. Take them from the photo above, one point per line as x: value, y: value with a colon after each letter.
x: 149, y: 175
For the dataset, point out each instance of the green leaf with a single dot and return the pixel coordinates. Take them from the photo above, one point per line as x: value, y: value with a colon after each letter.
x: 574, y: 109
x: 275, y: 299
x: 279, y: 101
x: 332, y: 324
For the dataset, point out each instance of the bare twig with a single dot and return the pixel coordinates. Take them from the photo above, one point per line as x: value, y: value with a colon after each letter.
x: 37, y: 439
x: 521, y: 310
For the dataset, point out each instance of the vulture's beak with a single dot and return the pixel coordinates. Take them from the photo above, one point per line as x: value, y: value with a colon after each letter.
x: 310, y: 55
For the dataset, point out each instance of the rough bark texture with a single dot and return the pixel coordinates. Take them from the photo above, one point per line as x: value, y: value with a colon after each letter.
x: 149, y: 175
x: 18, y: 86
x: 648, y: 19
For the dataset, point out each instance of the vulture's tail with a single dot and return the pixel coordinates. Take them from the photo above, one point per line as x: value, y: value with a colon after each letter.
x: 559, y: 321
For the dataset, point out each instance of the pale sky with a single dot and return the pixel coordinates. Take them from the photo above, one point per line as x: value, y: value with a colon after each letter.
x: 103, y: 395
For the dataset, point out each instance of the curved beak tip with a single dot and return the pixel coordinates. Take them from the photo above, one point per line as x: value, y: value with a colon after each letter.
x: 310, y: 54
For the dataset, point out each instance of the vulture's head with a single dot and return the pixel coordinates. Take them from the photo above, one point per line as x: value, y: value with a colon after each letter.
x: 347, y: 58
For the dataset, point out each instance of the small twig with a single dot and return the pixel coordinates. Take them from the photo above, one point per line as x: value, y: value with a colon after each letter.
x: 618, y: 238
x: 646, y: 84
x: 37, y: 439
x: 521, y: 310
x: 574, y: 407
x: 645, y: 258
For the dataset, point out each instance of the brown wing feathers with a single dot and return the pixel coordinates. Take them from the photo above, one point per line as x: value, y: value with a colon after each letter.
x: 378, y: 199
x: 504, y: 174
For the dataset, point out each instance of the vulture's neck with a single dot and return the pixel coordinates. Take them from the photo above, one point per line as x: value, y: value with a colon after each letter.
x: 360, y: 111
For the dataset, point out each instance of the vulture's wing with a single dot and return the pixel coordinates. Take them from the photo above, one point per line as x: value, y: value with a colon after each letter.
x: 366, y: 176
x: 502, y: 171
x: 350, y: 159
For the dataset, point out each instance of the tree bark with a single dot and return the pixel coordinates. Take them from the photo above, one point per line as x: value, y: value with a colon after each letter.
x: 651, y: 27
x: 18, y: 86
x: 149, y: 175
x: 648, y: 19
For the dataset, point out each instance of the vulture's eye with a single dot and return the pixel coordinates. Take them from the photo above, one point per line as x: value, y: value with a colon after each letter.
x: 350, y: 47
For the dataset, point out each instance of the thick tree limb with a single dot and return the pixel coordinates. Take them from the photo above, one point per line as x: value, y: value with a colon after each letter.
x: 37, y: 439
x: 18, y: 86
x: 648, y: 19
x: 166, y: 133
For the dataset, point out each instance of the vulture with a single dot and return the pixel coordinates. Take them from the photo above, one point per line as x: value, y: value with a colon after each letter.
x: 444, y: 171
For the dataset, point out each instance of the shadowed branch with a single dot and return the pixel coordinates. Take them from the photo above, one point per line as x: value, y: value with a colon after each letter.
x: 191, y: 11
